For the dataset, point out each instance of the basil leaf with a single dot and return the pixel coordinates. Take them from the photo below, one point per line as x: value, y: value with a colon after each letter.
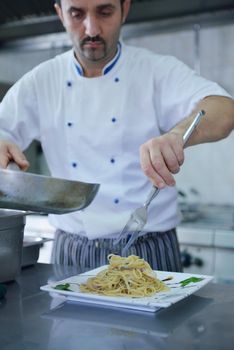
x: 190, y: 280
x: 65, y: 286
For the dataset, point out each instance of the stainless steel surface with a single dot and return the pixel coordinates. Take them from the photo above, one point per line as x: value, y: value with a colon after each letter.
x: 138, y: 218
x: 31, y: 249
x: 31, y: 319
x: 43, y: 194
x: 11, y: 243
x: 213, y: 217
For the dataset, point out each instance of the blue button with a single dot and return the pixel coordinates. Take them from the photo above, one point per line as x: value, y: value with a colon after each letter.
x: 112, y: 160
x: 69, y: 83
x: 116, y: 200
x: 69, y: 124
x: 74, y: 164
x: 116, y: 80
x: 113, y: 120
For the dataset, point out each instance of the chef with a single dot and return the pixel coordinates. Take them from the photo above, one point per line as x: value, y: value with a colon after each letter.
x: 112, y: 114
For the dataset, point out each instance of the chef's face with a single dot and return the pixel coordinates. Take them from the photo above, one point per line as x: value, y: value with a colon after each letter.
x: 94, y: 26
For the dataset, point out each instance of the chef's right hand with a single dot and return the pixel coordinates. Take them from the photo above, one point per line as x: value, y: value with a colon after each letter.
x: 10, y: 152
x: 161, y: 157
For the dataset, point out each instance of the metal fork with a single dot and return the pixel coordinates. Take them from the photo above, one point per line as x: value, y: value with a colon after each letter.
x: 138, y: 218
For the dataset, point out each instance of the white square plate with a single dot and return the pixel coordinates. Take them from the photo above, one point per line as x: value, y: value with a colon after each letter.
x: 151, y: 304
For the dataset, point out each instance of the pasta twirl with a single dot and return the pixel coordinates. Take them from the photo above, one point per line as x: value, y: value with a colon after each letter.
x: 129, y: 276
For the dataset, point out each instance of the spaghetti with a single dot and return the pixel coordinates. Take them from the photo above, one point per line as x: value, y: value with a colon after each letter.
x: 131, y: 277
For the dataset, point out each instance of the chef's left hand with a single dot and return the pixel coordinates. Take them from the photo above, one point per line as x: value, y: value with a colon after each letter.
x: 161, y: 157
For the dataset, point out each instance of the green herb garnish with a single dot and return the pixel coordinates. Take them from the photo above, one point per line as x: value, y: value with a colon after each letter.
x: 190, y: 280
x: 65, y: 286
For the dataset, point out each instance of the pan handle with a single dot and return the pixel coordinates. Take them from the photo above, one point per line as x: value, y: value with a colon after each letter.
x: 13, y: 166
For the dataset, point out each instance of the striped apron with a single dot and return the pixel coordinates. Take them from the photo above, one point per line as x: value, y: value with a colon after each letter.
x: 159, y: 249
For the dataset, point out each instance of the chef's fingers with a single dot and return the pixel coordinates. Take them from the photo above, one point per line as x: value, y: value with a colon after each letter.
x: 163, y: 164
x: 173, y: 155
x: 179, y: 153
x: 178, y: 147
x: 4, y: 154
x: 11, y: 152
x: 18, y: 157
x: 169, y: 157
x: 155, y: 170
x: 161, y: 157
x: 148, y: 169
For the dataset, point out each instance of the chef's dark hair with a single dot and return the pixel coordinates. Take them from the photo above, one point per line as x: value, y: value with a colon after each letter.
x: 59, y: 2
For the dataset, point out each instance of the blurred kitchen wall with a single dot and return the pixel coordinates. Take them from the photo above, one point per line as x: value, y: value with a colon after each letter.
x: 209, y: 168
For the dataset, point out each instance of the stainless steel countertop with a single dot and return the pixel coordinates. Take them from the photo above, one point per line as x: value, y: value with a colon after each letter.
x: 32, y: 320
x: 214, y: 217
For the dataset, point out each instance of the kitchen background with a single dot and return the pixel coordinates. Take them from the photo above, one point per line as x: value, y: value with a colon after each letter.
x: 202, y: 37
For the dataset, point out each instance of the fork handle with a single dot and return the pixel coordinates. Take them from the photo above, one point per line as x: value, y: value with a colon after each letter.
x: 153, y: 193
x: 193, y: 125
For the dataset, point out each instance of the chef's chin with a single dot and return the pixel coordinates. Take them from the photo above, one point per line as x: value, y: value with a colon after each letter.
x: 94, y: 55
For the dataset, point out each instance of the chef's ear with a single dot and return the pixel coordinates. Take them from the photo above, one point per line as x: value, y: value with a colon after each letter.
x: 126, y: 7
x: 59, y: 11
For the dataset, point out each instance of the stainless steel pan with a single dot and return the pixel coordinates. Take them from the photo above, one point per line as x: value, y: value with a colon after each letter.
x: 43, y: 194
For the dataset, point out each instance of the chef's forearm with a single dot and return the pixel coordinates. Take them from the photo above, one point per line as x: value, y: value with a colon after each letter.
x: 217, y: 123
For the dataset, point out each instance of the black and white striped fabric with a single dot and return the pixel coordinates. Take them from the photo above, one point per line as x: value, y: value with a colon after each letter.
x: 161, y: 250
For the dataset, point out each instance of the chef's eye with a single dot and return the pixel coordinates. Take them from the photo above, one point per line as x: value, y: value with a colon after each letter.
x: 106, y: 11
x: 77, y: 14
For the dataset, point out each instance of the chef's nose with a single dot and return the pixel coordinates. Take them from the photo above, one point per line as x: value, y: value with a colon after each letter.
x: 92, y: 27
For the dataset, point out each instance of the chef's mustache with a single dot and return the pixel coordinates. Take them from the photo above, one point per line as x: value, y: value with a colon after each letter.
x: 93, y: 39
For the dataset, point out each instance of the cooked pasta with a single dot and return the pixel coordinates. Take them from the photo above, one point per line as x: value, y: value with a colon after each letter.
x: 131, y: 277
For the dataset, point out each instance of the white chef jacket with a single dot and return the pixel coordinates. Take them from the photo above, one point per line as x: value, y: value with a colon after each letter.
x: 91, y: 130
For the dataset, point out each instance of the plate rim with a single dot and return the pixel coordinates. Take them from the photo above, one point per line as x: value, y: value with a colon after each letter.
x: 129, y: 302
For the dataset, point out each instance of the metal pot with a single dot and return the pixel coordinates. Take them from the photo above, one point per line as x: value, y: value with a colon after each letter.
x: 12, y: 224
